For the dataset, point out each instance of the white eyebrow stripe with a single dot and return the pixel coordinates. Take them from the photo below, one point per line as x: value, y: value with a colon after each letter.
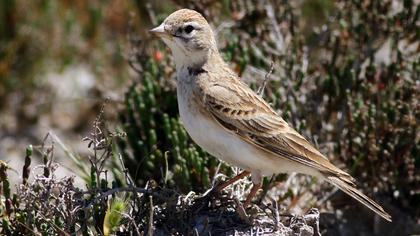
x: 192, y: 23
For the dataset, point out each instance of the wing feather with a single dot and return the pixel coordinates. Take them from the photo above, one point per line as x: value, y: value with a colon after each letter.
x: 242, y: 111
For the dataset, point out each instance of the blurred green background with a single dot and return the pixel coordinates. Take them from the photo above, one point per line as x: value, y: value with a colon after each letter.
x: 346, y: 74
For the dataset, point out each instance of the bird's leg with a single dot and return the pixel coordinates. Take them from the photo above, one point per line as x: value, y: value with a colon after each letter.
x: 232, y: 180
x: 251, y: 194
x: 221, y: 186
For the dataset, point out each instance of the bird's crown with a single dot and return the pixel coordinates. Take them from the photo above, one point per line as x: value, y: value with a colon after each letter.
x: 183, y: 16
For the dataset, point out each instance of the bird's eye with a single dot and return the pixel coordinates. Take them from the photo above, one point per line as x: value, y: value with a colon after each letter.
x: 188, y: 29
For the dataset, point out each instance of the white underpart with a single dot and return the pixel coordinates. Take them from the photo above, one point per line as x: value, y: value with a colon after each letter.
x: 180, y: 54
x: 225, y: 145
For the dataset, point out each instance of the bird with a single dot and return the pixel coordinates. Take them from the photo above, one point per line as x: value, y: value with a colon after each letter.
x: 230, y: 121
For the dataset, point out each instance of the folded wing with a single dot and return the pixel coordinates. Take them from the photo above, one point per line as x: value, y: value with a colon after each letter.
x: 242, y: 111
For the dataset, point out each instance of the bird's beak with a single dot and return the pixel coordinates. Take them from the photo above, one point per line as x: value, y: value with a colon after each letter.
x: 159, y: 31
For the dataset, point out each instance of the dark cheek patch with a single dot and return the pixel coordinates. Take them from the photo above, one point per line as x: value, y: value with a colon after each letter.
x: 191, y: 44
x: 198, y: 45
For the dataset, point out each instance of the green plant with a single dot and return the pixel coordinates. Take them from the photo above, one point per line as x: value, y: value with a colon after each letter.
x: 346, y: 80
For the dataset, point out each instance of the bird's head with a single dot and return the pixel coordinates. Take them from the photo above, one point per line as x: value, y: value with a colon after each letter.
x: 188, y: 35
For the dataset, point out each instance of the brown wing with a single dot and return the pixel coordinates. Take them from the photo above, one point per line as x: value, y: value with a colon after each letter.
x: 242, y: 111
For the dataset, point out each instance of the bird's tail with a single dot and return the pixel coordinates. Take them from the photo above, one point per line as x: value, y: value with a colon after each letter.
x: 359, y: 196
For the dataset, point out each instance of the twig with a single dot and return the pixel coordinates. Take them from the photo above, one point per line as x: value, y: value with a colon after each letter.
x: 133, y: 222
x: 312, y: 219
x: 216, y: 174
x: 241, y: 211
x: 327, y: 196
x: 258, y: 53
x: 136, y: 49
x: 70, y: 154
x: 123, y: 189
x: 27, y: 228
x: 166, y: 167
x: 152, y: 14
x: 150, y: 229
x: 127, y: 175
x: 287, y: 215
x: 48, y: 221
x: 279, y: 41
x: 265, y: 190
x: 260, y: 91
x: 276, y: 215
x: 224, y: 25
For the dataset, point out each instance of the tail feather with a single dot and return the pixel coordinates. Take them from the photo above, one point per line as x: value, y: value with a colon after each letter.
x: 359, y: 196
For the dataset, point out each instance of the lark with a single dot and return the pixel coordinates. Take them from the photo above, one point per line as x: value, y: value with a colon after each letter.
x: 233, y: 123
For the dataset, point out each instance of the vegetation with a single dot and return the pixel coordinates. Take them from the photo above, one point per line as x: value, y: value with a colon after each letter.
x: 344, y: 73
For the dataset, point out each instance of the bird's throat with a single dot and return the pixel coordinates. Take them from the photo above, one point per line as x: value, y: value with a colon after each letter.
x: 195, y: 60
